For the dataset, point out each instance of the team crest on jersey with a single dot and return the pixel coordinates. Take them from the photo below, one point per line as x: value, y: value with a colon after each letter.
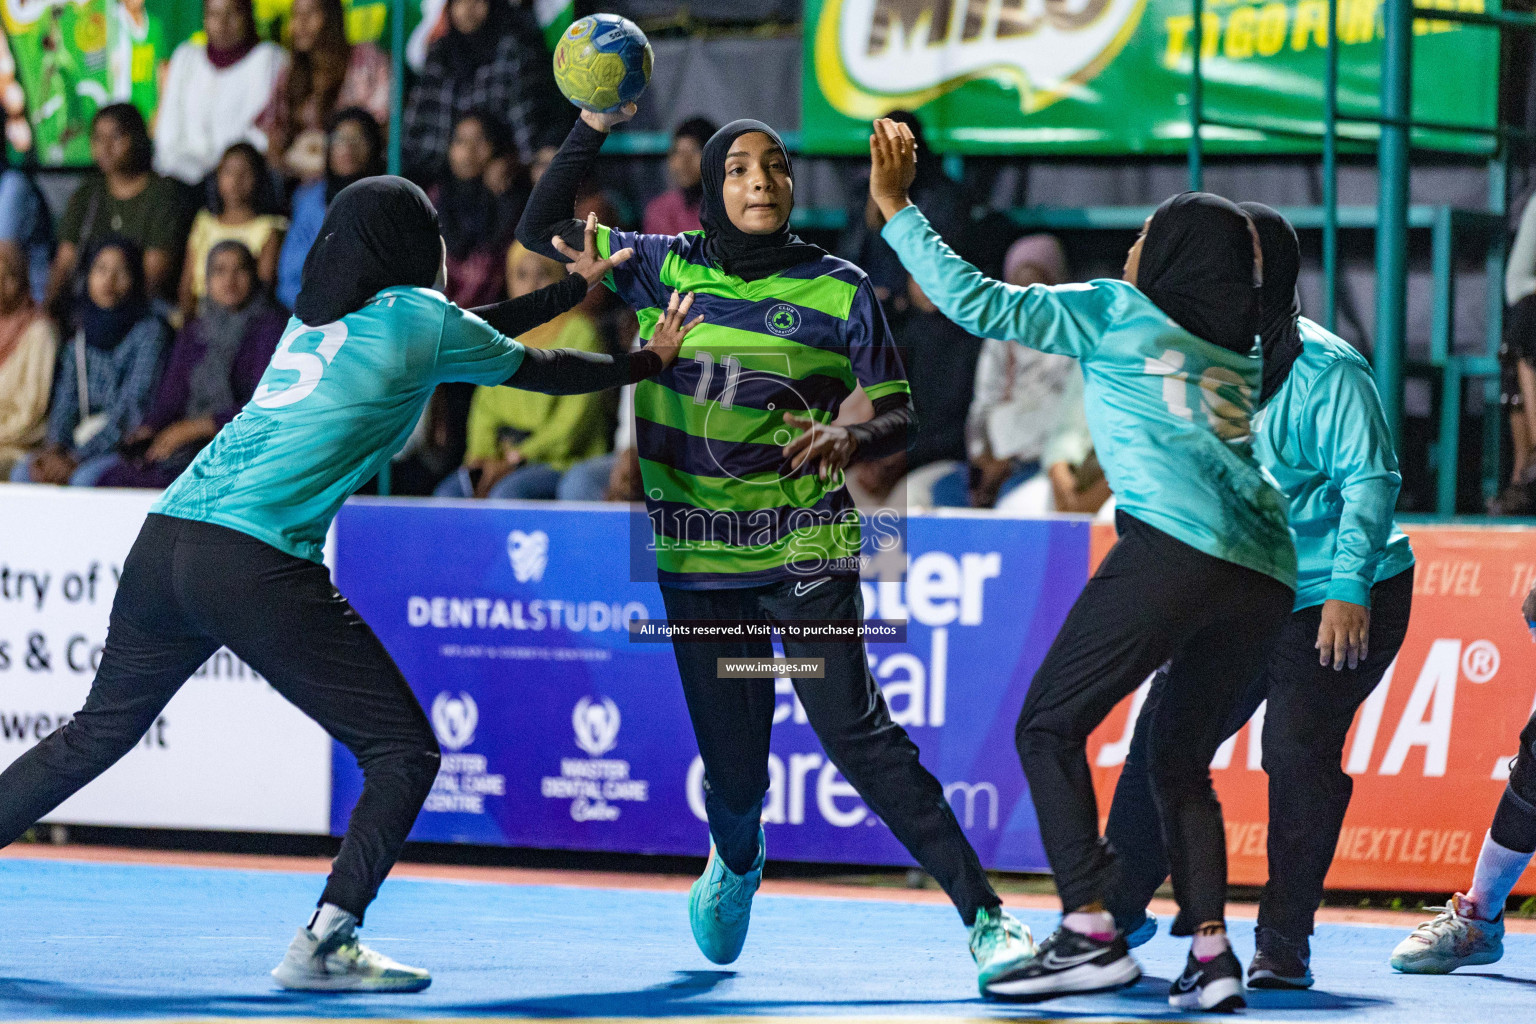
x: 783, y: 319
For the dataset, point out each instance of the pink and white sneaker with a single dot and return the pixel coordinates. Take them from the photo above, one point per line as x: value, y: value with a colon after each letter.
x: 1456, y: 937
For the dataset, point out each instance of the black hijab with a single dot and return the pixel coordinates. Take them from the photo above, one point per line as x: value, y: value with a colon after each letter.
x: 1197, y: 266
x: 378, y: 233
x: 750, y: 257
x: 105, y: 327
x: 1280, y: 303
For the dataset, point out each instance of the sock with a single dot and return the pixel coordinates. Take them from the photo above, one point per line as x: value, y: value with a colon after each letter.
x: 328, y: 917
x: 1098, y: 925
x: 1207, y: 946
x: 1498, y: 869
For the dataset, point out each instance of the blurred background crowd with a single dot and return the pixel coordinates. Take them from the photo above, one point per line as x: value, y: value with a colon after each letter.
x: 141, y: 299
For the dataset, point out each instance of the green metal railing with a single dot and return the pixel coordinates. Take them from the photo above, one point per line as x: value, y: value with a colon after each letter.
x: 1392, y: 222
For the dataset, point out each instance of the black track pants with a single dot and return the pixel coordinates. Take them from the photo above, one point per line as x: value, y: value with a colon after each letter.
x: 187, y: 588
x: 732, y: 719
x: 1306, y: 722
x: 1154, y: 599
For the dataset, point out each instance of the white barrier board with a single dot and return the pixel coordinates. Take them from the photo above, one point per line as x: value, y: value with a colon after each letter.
x: 227, y: 753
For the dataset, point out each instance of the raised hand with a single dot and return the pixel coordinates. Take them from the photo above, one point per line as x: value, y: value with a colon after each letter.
x: 673, y: 328
x: 587, y: 263
x: 892, y: 166
x: 606, y: 122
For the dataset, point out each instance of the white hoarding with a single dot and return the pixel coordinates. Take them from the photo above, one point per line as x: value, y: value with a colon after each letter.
x: 227, y: 753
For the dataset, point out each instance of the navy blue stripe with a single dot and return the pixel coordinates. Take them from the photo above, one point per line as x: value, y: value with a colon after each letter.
x: 691, y: 249
x: 703, y: 457
x: 756, y: 389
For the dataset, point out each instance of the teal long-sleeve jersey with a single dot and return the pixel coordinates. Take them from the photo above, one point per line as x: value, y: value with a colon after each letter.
x: 1169, y: 413
x: 1325, y: 440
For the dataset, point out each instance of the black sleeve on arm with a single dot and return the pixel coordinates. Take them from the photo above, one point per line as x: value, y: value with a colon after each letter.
x: 570, y: 371
x: 521, y: 315
x: 886, y: 433
x: 549, y: 208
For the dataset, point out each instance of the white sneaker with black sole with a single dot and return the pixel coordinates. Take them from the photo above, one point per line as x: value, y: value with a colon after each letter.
x: 1067, y: 963
x: 1215, y: 986
x: 339, y: 963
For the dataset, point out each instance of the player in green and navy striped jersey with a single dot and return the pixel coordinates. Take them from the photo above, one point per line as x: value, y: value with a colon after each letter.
x: 744, y: 487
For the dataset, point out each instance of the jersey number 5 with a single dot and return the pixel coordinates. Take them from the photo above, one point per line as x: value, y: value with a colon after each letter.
x: 308, y: 365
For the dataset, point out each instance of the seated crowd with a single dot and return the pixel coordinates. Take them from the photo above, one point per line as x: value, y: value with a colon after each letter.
x: 139, y: 320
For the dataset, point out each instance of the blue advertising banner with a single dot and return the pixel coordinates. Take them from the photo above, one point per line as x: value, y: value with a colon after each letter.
x: 558, y: 731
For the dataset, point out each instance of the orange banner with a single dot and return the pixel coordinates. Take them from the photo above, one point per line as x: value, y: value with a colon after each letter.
x: 1429, y: 750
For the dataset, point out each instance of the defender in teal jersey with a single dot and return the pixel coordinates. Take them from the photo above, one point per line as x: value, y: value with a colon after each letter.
x: 231, y: 554
x: 751, y: 521
x: 1201, y: 579
x: 1322, y: 436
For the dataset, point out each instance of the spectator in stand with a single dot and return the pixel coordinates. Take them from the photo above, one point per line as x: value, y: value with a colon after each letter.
x: 677, y: 209
x: 212, y: 371
x: 106, y: 374
x: 493, y: 57
x: 615, y: 475
x: 26, y: 222
x: 940, y: 198
x: 940, y: 358
x: 478, y: 200
x: 28, y: 344
x: 126, y: 198
x: 520, y: 442
x: 242, y: 207
x: 215, y: 92
x: 1518, y: 359
x: 354, y: 150
x: 325, y: 74
x: 1014, y: 427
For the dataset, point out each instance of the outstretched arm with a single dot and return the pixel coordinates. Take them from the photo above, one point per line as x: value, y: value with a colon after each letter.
x: 1059, y: 320
x: 548, y: 214
x: 524, y: 313
x: 569, y: 371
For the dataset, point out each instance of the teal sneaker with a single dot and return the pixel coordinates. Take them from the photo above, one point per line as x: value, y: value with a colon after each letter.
x: 1000, y: 942
x: 720, y: 905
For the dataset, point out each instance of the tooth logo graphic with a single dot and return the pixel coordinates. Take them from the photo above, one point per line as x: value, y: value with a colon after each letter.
x: 454, y: 719
x: 529, y: 553
x: 873, y: 56
x: 596, y: 725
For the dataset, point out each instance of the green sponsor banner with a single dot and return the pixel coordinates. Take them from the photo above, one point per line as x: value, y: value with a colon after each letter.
x: 1112, y: 76
x: 68, y: 58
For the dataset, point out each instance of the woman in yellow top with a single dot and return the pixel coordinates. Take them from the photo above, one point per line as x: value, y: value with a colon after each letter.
x: 521, y: 442
x: 28, y: 342
x: 242, y: 207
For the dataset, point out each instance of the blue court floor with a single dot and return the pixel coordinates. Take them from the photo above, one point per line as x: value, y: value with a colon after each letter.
x: 143, y: 941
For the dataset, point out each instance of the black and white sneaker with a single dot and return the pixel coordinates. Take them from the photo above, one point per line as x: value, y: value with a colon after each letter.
x: 1279, y: 963
x: 1067, y: 963
x: 1215, y: 985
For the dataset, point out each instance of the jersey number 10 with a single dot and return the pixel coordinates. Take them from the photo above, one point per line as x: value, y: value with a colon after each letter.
x: 1227, y: 419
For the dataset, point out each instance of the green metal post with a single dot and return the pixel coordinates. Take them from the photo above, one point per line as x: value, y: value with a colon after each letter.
x: 396, y: 117
x: 1493, y: 267
x: 1196, y: 102
x: 1392, y: 209
x: 1331, y: 172
x: 1442, y: 353
x: 396, y: 81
